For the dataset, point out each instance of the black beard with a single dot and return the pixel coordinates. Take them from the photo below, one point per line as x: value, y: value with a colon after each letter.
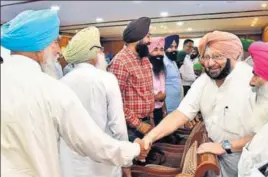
x: 172, y: 55
x: 193, y: 56
x: 158, y: 63
x: 142, y: 50
x: 224, y: 73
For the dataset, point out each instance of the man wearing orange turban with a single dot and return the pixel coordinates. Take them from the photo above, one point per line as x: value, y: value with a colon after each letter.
x: 224, y: 97
x: 255, y: 153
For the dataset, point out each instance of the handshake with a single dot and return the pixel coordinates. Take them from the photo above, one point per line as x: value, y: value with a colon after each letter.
x: 145, y: 147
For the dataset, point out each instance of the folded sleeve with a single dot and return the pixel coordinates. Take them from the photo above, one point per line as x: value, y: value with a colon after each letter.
x: 190, y: 104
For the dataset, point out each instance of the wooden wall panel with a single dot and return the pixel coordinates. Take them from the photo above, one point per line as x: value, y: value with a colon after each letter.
x: 112, y: 46
x: 64, y: 41
x: 265, y: 34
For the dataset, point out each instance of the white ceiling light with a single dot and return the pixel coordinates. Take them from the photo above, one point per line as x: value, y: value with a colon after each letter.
x: 264, y: 5
x: 190, y: 29
x: 99, y: 19
x: 164, y: 14
x: 179, y: 23
x: 55, y: 8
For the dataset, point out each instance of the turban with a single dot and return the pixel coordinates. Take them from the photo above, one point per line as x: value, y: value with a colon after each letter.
x: 30, y: 31
x: 246, y: 43
x: 78, y: 49
x: 223, y: 43
x: 169, y: 40
x: 155, y: 42
x: 197, y: 66
x: 136, y: 30
x: 259, y: 53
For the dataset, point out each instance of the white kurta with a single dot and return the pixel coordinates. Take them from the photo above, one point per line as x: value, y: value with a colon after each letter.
x: 100, y: 94
x: 187, y: 71
x: 255, y: 153
x: 225, y: 109
x: 35, y: 111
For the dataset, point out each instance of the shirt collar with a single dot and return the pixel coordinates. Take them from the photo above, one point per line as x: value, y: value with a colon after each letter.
x: 84, y: 65
x: 131, y: 53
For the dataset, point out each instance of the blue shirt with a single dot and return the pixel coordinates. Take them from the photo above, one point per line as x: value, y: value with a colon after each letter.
x: 173, y: 85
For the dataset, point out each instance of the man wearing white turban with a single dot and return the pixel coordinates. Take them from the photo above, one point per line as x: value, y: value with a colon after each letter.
x: 223, y: 96
x: 35, y: 111
x: 99, y: 93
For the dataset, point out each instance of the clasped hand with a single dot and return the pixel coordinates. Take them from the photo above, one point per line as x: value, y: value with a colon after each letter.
x: 143, y: 150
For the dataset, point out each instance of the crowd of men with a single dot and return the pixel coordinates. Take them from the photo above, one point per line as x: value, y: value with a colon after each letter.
x: 67, y: 114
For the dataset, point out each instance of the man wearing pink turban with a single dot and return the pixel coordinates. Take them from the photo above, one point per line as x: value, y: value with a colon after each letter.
x: 156, y: 56
x: 224, y: 97
x: 255, y: 154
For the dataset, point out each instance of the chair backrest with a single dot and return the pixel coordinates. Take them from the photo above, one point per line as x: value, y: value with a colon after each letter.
x: 196, y: 135
x: 199, y: 163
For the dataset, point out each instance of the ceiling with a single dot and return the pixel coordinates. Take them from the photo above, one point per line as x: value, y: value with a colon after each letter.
x: 200, y: 16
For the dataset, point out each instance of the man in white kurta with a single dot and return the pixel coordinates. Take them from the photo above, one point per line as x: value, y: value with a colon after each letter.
x: 99, y: 93
x: 36, y: 109
x: 223, y: 96
x: 255, y: 153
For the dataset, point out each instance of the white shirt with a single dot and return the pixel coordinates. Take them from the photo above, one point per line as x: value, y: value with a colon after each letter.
x: 36, y: 110
x: 187, y: 71
x: 255, y: 153
x: 100, y: 94
x: 225, y: 109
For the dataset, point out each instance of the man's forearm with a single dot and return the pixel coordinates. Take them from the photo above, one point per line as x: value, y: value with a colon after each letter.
x: 168, y: 125
x: 237, y: 145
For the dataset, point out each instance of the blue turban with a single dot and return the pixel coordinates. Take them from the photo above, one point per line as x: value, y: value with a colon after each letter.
x: 30, y: 31
x: 169, y: 40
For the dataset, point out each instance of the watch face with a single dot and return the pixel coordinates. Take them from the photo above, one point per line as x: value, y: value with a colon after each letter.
x: 226, y: 145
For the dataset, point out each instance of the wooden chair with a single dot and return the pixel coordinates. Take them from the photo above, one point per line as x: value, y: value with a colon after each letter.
x: 175, y: 161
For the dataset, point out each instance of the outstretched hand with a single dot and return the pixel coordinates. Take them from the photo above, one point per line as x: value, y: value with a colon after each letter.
x: 143, y: 152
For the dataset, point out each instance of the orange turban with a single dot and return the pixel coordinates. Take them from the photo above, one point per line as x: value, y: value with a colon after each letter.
x: 223, y: 43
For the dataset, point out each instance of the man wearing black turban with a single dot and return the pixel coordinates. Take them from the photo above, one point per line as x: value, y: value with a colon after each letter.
x: 133, y: 70
x: 173, y: 79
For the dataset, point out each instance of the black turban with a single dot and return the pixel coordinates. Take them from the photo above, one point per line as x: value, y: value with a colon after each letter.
x: 136, y: 30
x: 170, y: 39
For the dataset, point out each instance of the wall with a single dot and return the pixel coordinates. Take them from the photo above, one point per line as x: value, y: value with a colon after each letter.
x: 64, y: 40
x: 112, y: 46
x: 265, y: 34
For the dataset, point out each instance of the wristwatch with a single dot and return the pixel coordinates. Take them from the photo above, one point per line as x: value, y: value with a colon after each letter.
x: 226, y: 145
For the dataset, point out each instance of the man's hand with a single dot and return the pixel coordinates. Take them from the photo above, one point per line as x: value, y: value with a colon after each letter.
x: 126, y: 172
x: 143, y: 152
x: 144, y: 128
x: 147, y: 143
x: 214, y: 148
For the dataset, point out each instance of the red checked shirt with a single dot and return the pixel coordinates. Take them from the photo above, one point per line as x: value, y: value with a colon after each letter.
x: 136, y: 85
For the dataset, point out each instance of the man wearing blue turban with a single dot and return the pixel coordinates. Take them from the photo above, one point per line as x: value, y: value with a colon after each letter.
x: 36, y: 109
x: 173, y: 79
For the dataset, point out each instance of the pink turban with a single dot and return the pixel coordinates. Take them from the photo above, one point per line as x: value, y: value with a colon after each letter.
x: 259, y: 53
x: 226, y: 44
x: 155, y: 42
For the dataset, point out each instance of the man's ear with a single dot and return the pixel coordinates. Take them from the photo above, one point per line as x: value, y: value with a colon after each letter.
x: 40, y: 56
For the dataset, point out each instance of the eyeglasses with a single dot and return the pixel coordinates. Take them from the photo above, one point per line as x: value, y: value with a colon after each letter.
x: 207, y: 58
x: 99, y: 47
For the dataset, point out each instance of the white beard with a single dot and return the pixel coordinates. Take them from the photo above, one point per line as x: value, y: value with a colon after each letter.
x: 260, y: 112
x: 49, y: 65
x: 101, y: 62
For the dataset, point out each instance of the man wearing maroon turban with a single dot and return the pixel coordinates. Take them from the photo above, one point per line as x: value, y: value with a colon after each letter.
x: 255, y: 153
x: 224, y: 97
